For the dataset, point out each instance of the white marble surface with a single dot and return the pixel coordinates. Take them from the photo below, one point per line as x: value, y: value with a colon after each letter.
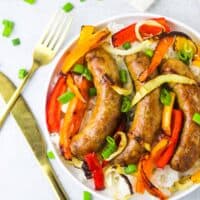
x: 20, y: 176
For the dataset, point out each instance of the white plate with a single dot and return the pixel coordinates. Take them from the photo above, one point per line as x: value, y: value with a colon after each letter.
x: 126, y: 20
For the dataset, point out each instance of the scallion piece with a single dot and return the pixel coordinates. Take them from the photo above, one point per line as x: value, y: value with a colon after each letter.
x: 68, y: 7
x: 16, y: 41
x: 126, y: 104
x: 130, y: 169
x: 8, y: 27
x: 196, y: 118
x: 79, y: 69
x: 22, y: 73
x: 149, y: 52
x: 126, y: 45
x: 92, y: 92
x: 87, y: 195
x: 30, y: 1
x: 87, y: 74
x: 50, y: 155
x: 66, y: 97
x: 110, y: 147
x: 165, y: 97
x: 185, y: 56
x: 123, y: 76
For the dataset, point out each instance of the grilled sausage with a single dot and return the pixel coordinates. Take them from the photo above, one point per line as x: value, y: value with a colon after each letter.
x: 188, y: 149
x: 147, y: 117
x: 106, y: 112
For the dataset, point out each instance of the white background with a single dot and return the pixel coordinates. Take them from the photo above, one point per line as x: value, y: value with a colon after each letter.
x: 20, y: 176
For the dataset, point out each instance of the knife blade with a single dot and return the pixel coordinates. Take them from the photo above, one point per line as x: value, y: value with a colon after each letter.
x: 28, y: 125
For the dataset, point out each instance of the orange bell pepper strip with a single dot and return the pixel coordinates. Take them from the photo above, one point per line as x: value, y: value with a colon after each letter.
x: 139, y: 186
x: 127, y: 34
x: 73, y: 117
x: 160, y: 51
x: 53, y: 107
x: 177, y: 121
x: 88, y: 40
x: 167, y: 115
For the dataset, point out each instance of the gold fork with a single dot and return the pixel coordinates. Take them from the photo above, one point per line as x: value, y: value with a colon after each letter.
x: 44, y: 52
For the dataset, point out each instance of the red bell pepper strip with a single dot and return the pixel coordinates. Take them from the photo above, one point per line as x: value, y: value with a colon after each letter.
x: 95, y: 167
x: 53, y: 107
x: 161, y: 50
x: 177, y: 121
x: 128, y: 33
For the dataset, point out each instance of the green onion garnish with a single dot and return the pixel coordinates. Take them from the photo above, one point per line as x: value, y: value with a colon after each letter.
x: 50, y: 155
x: 79, y: 69
x: 82, y: 0
x: 110, y: 147
x: 149, y: 52
x: 126, y: 104
x: 68, y: 7
x: 123, y: 76
x: 16, y: 41
x: 22, y: 73
x: 66, y: 97
x: 185, y: 56
x: 165, y: 97
x: 126, y: 45
x: 30, y: 1
x: 87, y: 195
x: 8, y: 27
x: 130, y: 169
x: 92, y: 92
x: 87, y: 74
x: 196, y: 118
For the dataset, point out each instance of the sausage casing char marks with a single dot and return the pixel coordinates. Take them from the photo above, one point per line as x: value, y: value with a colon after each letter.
x: 147, y: 119
x: 188, y: 96
x: 106, y: 112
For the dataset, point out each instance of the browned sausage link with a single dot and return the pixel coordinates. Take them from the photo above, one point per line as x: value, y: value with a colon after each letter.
x: 147, y: 117
x: 188, y: 150
x: 106, y: 112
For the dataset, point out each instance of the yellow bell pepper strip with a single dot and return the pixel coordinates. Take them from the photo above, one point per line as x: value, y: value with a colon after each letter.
x: 159, y: 53
x: 88, y: 40
x: 157, y: 82
x: 167, y: 115
x: 177, y: 121
x: 73, y: 117
x: 196, y: 177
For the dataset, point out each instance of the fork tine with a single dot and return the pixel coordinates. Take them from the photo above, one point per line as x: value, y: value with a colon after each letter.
x: 60, y: 29
x: 53, y: 29
x: 48, y: 27
x: 63, y: 35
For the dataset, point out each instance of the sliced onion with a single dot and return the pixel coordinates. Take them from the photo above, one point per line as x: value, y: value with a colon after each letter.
x: 121, y: 146
x: 121, y: 91
x: 157, y: 82
x: 146, y: 22
x: 134, y: 49
x: 75, y: 162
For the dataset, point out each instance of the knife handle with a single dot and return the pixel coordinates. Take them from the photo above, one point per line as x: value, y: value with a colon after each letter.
x: 54, y: 181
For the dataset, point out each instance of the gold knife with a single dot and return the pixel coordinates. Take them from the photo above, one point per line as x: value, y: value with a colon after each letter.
x: 27, y: 123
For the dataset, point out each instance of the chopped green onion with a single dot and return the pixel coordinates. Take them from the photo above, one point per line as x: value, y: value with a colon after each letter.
x: 110, y: 147
x: 196, y: 118
x: 50, y: 155
x: 92, y: 92
x: 22, y: 73
x: 79, y: 69
x: 126, y: 104
x: 123, y: 76
x: 130, y: 169
x: 16, y: 41
x: 66, y: 97
x: 165, y: 97
x: 30, y: 1
x: 82, y: 0
x: 149, y: 52
x: 87, y: 74
x: 185, y: 56
x: 68, y: 7
x: 8, y: 27
x: 126, y: 45
x: 87, y: 195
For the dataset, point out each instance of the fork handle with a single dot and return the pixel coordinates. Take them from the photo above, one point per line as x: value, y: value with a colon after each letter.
x: 17, y: 93
x: 54, y: 181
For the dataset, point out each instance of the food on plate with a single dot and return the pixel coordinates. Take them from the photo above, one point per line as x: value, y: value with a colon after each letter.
x: 125, y: 108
